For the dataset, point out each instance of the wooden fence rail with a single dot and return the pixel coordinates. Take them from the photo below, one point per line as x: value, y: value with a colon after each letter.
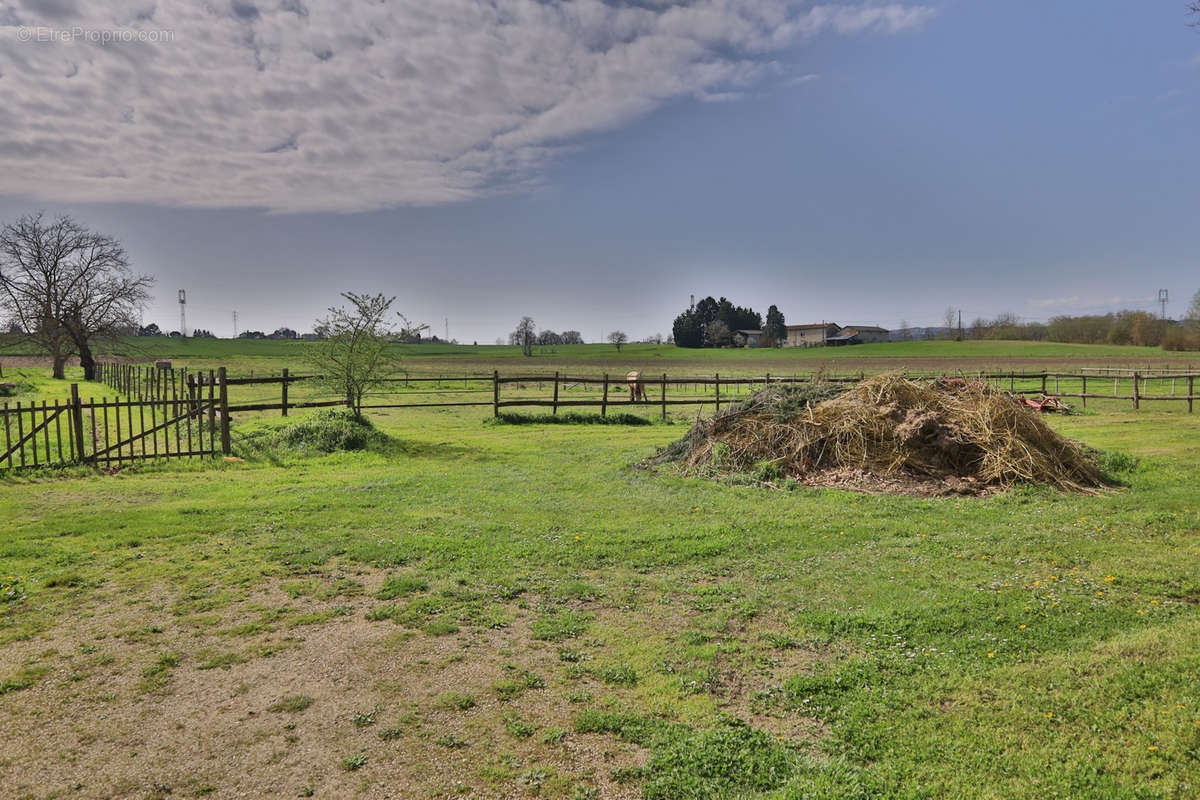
x: 704, y: 390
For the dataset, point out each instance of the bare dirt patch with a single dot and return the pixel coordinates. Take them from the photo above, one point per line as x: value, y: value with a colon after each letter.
x: 141, y: 695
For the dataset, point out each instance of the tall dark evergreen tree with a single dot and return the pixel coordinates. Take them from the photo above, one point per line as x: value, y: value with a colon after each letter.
x: 776, y: 327
x: 688, y: 330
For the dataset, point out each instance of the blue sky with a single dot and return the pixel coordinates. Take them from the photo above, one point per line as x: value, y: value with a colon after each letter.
x: 869, y: 163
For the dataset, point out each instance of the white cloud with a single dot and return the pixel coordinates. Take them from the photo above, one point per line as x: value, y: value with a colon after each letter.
x: 297, y: 105
x: 800, y: 80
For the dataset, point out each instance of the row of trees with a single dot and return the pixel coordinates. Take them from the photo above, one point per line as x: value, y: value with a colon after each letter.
x: 545, y: 338
x: 714, y: 323
x: 67, y: 288
x: 153, y: 330
x: 1122, y: 328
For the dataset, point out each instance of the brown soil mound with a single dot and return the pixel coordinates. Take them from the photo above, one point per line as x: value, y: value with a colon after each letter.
x: 891, y: 434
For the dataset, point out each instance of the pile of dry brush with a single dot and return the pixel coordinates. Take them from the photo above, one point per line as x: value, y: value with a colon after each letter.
x: 951, y: 432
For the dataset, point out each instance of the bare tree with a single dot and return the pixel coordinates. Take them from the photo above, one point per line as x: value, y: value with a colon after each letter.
x: 354, y: 358
x: 68, y: 287
x: 525, y: 335
x: 572, y: 337
x: 948, y: 318
x: 618, y: 338
x: 1193, y: 312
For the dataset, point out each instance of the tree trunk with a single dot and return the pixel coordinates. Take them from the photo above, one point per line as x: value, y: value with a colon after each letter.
x: 87, y: 361
x: 60, y: 362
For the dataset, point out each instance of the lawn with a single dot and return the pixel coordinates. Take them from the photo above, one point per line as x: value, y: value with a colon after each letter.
x: 507, y: 611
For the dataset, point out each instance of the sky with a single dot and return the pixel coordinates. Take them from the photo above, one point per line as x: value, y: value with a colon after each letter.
x: 592, y: 164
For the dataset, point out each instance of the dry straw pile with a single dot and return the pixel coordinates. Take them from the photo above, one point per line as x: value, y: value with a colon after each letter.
x: 951, y: 432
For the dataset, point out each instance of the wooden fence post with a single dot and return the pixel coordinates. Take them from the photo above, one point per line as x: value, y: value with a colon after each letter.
x: 664, y: 397
x: 1136, y: 399
x: 1190, y: 392
x: 495, y: 392
x: 77, y: 423
x: 555, y: 411
x: 212, y: 416
x: 604, y: 401
x: 284, y: 391
x: 1084, y: 392
x: 718, y: 385
x: 1043, y: 383
x: 226, y: 448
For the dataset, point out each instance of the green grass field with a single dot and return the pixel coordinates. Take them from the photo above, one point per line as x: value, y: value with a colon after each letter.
x: 517, y: 611
x: 243, y: 356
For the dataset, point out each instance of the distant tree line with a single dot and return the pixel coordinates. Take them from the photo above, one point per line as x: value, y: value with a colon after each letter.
x: 1128, y: 327
x: 713, y: 323
x: 549, y: 338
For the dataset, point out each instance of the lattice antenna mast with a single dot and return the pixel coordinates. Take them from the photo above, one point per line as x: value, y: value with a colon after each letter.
x: 1163, y: 296
x: 183, y: 312
x: 235, y: 327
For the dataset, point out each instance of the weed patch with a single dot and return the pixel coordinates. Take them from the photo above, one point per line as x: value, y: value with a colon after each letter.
x: 564, y: 624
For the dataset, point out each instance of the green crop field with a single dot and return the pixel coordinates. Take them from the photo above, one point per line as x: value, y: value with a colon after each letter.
x: 480, y: 610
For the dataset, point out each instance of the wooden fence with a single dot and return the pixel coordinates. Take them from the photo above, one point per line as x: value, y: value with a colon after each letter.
x: 113, y: 431
x: 180, y: 413
x: 1133, y: 386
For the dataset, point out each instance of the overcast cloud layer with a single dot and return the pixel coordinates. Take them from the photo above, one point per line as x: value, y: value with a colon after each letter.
x: 300, y: 105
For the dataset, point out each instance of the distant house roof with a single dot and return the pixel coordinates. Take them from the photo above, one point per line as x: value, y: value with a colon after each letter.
x: 875, y: 328
x: 843, y: 338
x: 813, y: 325
x: 750, y: 333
